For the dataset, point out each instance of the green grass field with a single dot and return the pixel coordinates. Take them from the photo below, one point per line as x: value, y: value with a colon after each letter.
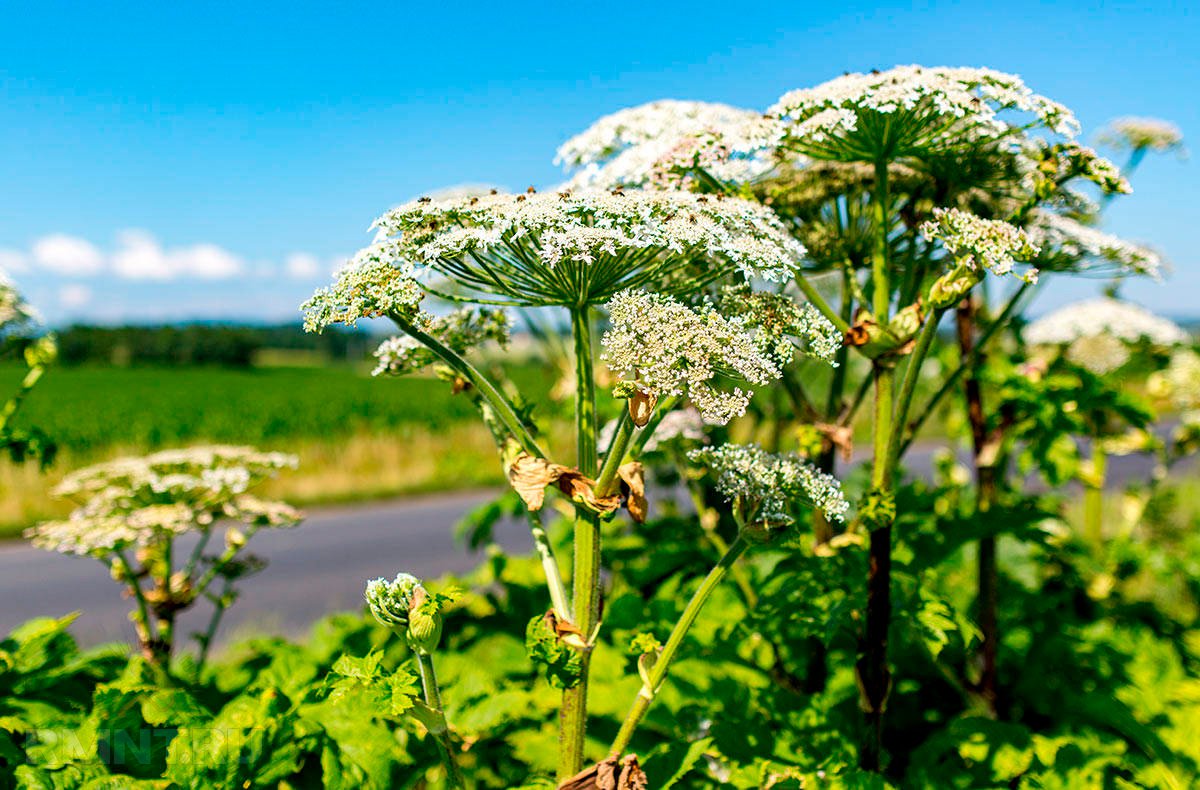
x: 357, y: 436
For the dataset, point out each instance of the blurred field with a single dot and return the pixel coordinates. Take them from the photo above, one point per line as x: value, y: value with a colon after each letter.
x: 357, y: 437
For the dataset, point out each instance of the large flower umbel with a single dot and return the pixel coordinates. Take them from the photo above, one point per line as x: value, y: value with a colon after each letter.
x: 578, y: 248
x: 660, y: 143
x: 146, y: 500
x: 912, y: 110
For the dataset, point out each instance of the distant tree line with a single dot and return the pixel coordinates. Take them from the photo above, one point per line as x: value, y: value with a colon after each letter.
x: 201, y: 344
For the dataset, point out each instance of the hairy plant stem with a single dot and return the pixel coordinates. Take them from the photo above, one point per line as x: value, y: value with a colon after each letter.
x: 491, y: 394
x: 1093, y: 496
x: 653, y: 680
x: 440, y: 730
x: 985, y: 497
x: 586, y: 576
x: 220, y: 606
x: 873, y: 674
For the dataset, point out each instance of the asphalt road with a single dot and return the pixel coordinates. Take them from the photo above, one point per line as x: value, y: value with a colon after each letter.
x: 315, y: 569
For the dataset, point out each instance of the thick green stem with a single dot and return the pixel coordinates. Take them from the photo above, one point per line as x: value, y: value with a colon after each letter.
x: 606, y: 481
x: 658, y: 673
x: 586, y: 576
x: 1093, y: 496
x: 440, y: 731
x: 503, y: 409
x: 908, y: 386
x: 873, y: 673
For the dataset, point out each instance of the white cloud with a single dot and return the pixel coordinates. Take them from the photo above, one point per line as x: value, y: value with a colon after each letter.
x: 302, y: 266
x: 13, y: 261
x: 74, y: 295
x: 69, y: 255
x: 139, y: 256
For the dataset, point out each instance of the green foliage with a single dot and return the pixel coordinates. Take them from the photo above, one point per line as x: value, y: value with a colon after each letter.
x: 560, y: 663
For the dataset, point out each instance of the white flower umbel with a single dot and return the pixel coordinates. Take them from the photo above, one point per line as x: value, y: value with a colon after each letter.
x: 981, y: 243
x: 1151, y: 134
x: 764, y: 486
x: 1094, y: 334
x: 581, y: 247
x: 376, y: 283
x: 655, y: 144
x: 910, y: 110
x: 460, y: 331
x: 142, y: 501
x: 668, y: 348
x: 1068, y: 244
x: 1048, y: 166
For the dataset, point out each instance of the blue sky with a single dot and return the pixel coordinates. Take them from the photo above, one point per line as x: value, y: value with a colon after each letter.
x: 166, y: 161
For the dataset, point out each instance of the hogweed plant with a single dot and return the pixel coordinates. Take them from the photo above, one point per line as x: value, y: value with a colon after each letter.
x: 909, y: 187
x: 646, y: 261
x: 137, y: 515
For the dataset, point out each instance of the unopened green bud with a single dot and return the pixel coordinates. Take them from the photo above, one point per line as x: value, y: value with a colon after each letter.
x: 950, y: 288
x: 404, y: 606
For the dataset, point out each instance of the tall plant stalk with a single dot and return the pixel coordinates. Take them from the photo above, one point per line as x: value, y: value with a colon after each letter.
x: 586, y: 576
x: 985, y: 496
x: 872, y: 663
x: 652, y: 681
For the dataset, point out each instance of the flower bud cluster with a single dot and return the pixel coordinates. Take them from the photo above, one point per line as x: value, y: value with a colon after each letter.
x: 404, y: 606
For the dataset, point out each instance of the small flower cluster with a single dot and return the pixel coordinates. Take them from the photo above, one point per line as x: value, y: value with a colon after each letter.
x: 461, y: 330
x: 981, y: 243
x: 669, y: 348
x: 1142, y: 134
x: 778, y: 319
x: 376, y: 283
x: 649, y: 145
x: 939, y: 106
x: 1089, y: 247
x: 604, y: 230
x: 1096, y: 333
x: 764, y: 485
x: 141, y: 501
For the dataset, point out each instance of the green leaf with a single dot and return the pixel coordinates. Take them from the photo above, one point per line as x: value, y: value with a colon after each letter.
x: 668, y: 764
x: 561, y: 664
